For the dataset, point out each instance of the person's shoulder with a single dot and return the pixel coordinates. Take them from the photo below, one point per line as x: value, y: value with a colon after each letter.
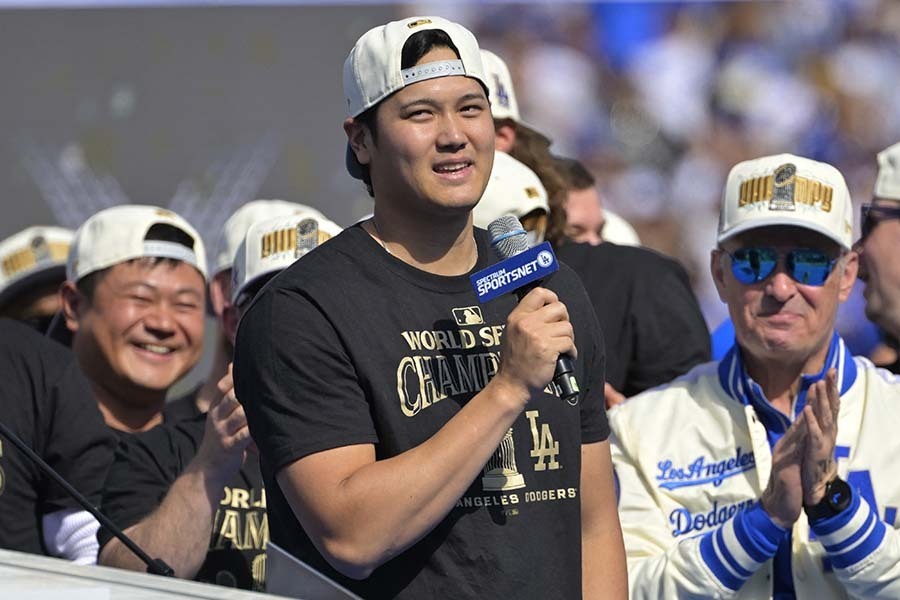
x: 182, y: 408
x: 168, y: 442
x: 879, y: 376
x: 634, y: 260
x: 315, y: 273
x: 42, y: 357
x: 696, y: 387
x: 326, y: 261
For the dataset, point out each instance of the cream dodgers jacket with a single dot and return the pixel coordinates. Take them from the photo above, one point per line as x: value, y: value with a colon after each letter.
x: 693, y: 457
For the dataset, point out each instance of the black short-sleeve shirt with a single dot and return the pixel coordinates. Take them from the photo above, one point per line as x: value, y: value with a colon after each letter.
x: 352, y: 346
x: 47, y: 402
x: 651, y: 320
x: 145, y: 467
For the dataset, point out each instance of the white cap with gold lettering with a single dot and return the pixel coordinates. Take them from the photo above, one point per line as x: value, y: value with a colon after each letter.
x: 117, y: 234
x: 34, y: 254
x: 239, y: 222
x: 785, y: 189
x: 274, y: 244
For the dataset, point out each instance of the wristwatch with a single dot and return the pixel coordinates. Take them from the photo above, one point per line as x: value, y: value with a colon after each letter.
x: 838, y: 495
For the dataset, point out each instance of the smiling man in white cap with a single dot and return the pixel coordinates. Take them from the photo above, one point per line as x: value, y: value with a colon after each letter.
x: 771, y: 472
x: 879, y: 247
x: 404, y: 453
x: 134, y: 300
x: 189, y: 492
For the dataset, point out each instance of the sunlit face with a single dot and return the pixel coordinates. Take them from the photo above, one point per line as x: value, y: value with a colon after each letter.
x: 778, y: 319
x: 584, y: 216
x: 880, y: 270
x: 435, y: 144
x: 144, y: 328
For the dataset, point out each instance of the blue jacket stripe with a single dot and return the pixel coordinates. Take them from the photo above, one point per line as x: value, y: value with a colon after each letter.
x: 863, y: 550
x: 729, y: 557
x: 851, y: 540
x: 746, y: 541
x: 715, y: 564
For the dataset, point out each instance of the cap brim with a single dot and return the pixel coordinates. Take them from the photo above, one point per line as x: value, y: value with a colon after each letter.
x: 781, y: 221
x: 38, y: 278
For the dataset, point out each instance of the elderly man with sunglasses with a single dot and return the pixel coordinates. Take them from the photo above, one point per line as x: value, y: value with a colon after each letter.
x: 879, y: 247
x: 771, y: 473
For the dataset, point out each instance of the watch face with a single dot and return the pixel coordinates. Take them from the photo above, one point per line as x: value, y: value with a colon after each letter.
x: 838, y: 494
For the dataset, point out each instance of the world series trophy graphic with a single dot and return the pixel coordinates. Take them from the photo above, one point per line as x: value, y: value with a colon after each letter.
x: 783, y: 194
x: 500, y: 472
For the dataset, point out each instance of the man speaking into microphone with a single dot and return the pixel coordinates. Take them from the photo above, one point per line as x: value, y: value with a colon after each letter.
x: 411, y: 443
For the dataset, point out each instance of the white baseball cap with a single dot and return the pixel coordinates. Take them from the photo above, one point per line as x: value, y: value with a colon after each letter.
x: 501, y: 91
x: 273, y: 244
x: 619, y: 231
x: 786, y: 190
x: 513, y: 189
x: 372, y: 70
x: 118, y: 234
x: 31, y: 257
x: 240, y: 221
x: 887, y: 185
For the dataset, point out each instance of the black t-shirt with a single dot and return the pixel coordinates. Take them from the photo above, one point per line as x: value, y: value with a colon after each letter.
x: 48, y: 404
x: 145, y: 467
x: 182, y: 409
x: 352, y: 346
x: 651, y: 320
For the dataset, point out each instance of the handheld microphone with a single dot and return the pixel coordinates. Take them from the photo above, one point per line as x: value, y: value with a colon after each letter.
x: 521, y: 270
x: 155, y: 566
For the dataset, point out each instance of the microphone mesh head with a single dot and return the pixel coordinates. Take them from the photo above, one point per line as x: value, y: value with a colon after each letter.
x: 507, y: 236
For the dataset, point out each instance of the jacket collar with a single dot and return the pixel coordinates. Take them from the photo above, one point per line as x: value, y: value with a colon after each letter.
x: 740, y: 386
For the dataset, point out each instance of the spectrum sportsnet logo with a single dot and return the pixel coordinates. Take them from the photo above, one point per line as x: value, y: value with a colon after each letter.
x: 514, y: 272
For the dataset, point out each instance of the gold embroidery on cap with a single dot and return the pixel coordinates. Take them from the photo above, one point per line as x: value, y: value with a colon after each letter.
x: 785, y: 189
x: 26, y: 258
x: 531, y: 192
x: 276, y: 242
x: 413, y: 24
x: 161, y: 212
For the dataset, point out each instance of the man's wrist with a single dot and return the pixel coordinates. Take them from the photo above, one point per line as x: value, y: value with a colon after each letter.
x: 514, y: 394
x: 836, y: 496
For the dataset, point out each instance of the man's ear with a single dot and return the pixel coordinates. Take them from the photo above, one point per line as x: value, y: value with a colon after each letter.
x: 359, y: 139
x: 848, y: 275
x: 504, y: 135
x: 717, y: 270
x: 72, y: 303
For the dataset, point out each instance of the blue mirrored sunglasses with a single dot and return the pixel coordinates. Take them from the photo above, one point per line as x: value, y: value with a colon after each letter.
x: 804, y: 265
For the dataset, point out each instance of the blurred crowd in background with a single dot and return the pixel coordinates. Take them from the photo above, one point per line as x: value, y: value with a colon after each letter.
x: 660, y: 99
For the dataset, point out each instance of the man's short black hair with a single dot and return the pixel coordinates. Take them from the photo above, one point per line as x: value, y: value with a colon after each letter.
x: 417, y: 45
x: 159, y: 232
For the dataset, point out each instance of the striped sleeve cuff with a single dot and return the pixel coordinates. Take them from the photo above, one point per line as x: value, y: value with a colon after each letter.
x: 737, y: 549
x: 851, y: 535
